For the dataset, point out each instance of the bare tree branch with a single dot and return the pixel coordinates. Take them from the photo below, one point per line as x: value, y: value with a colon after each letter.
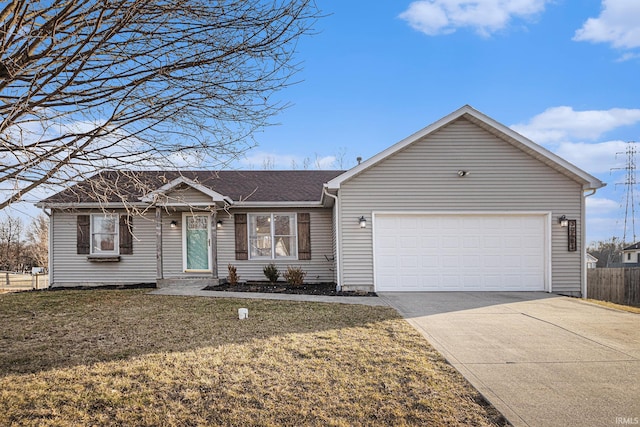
x: 87, y: 85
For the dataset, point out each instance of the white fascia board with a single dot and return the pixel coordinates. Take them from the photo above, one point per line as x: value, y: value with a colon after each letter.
x: 589, y: 181
x: 92, y: 205
x: 592, y: 183
x: 334, y: 184
x: 215, y: 196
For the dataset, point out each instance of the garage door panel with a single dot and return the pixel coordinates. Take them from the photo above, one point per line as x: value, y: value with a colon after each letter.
x: 471, y: 260
x: 471, y: 242
x: 460, y: 252
x: 409, y: 261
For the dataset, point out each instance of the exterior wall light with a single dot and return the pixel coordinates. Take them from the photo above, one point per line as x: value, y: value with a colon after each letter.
x: 563, y: 221
x: 219, y: 224
x: 363, y: 222
x: 174, y: 224
x: 462, y: 173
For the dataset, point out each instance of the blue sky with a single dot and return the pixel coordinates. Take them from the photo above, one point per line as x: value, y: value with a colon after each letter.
x: 564, y: 73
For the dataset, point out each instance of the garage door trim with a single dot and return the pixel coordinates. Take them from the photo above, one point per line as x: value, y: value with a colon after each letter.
x: 547, y: 229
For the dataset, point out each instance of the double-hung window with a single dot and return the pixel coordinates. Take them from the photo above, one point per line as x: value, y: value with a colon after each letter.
x: 273, y: 236
x: 104, y: 234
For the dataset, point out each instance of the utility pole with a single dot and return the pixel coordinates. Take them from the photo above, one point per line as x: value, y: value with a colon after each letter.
x: 630, y: 184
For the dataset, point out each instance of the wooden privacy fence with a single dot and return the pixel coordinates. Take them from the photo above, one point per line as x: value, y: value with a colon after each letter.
x: 618, y: 285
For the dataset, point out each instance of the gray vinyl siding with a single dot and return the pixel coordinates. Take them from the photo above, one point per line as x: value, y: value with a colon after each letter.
x: 187, y: 195
x: 423, y: 177
x: 320, y: 268
x: 70, y: 269
x: 172, y: 263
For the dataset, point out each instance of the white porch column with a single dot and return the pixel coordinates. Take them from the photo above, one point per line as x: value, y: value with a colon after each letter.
x: 214, y: 244
x: 159, y: 270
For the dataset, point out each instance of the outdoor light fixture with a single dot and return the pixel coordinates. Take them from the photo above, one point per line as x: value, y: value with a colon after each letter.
x: 563, y: 221
x: 174, y: 224
x: 363, y: 222
x: 219, y: 224
x: 462, y: 173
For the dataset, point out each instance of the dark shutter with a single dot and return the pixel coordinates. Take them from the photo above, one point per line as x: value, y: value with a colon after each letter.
x: 84, y: 234
x: 126, y: 238
x: 241, y: 236
x: 304, y: 236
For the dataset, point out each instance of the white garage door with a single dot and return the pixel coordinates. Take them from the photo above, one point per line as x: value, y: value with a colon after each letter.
x: 459, y: 252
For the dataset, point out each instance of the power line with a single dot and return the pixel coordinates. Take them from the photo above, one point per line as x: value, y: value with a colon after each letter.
x: 630, y: 184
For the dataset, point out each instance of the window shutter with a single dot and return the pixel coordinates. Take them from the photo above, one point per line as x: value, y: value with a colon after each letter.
x: 242, y: 252
x: 304, y: 236
x: 84, y: 234
x: 126, y: 237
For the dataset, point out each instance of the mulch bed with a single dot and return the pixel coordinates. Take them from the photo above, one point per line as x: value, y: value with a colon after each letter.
x: 283, y: 288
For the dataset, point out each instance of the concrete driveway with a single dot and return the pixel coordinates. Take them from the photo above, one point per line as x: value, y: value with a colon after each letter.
x: 540, y: 359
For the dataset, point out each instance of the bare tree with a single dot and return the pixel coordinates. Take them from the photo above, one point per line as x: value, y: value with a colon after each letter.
x: 306, y: 163
x: 608, y: 252
x: 92, y: 84
x: 269, y: 163
x: 37, y: 244
x: 11, y: 245
x: 340, y: 161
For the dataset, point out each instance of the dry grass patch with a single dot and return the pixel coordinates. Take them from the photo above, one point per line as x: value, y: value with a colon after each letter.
x: 622, y: 307
x: 129, y: 358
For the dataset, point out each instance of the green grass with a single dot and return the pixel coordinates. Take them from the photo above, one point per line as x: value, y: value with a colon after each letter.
x: 128, y: 358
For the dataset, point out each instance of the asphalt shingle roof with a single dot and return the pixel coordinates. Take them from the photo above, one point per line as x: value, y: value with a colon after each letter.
x: 254, y: 186
x: 635, y: 246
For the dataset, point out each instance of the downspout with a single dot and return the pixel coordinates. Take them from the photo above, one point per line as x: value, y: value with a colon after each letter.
x: 583, y: 232
x: 336, y: 227
x: 49, y: 246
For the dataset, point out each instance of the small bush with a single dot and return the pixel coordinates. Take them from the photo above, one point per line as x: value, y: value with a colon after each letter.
x: 294, y: 276
x: 271, y: 272
x: 234, y: 278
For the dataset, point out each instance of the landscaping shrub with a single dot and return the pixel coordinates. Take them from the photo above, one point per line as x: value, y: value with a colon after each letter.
x: 234, y: 278
x: 294, y: 276
x: 271, y: 272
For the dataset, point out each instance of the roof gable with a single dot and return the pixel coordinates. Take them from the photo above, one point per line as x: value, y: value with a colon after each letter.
x: 184, y: 181
x: 588, y: 181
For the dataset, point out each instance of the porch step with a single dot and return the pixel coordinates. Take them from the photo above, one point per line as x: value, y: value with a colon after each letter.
x: 201, y: 282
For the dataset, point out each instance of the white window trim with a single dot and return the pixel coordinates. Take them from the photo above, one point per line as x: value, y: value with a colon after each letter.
x: 185, y: 215
x: 116, y: 241
x: 273, y: 246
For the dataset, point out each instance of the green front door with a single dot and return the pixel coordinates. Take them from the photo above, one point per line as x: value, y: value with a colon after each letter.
x: 197, y: 242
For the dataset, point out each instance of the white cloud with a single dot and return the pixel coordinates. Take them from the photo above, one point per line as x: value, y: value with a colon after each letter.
x: 628, y: 57
x: 602, y: 206
x: 602, y: 157
x: 563, y: 123
x: 617, y: 24
x: 434, y: 17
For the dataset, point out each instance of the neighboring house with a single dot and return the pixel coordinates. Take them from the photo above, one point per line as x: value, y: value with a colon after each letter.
x: 465, y: 204
x: 631, y: 254
x: 592, y: 262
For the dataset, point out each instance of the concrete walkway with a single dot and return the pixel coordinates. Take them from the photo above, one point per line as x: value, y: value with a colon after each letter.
x: 186, y: 290
x: 540, y: 359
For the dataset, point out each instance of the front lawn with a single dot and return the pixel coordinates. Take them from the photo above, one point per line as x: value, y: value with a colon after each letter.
x: 109, y: 357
